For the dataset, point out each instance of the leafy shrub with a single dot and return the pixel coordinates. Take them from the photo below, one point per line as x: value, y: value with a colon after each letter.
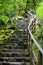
x: 8, y: 8
x: 39, y: 33
x: 4, y: 19
x: 39, y: 10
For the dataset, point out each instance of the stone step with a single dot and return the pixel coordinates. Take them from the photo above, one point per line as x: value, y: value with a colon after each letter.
x: 21, y: 31
x: 17, y: 59
x: 14, y: 63
x: 21, y: 38
x: 14, y: 54
x: 20, y: 35
x: 18, y: 40
x: 14, y: 41
x: 14, y: 47
x: 14, y: 44
x: 14, y: 50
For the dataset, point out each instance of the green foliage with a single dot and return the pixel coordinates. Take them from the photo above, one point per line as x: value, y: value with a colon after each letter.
x: 7, y: 31
x: 39, y: 34
x: 5, y: 34
x: 4, y: 19
x: 21, y: 6
x: 8, y: 8
x: 39, y: 28
x: 31, y: 4
x: 39, y: 10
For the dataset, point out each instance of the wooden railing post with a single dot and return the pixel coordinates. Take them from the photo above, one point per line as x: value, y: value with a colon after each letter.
x: 31, y: 53
x: 39, y: 58
x: 30, y: 46
x: 30, y: 50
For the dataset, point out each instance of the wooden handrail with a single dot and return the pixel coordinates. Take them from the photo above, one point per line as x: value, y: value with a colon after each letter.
x: 35, y: 42
x: 31, y: 30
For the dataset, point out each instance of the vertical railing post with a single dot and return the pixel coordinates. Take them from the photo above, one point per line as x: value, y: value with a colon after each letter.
x: 30, y: 50
x: 31, y: 53
x: 28, y: 46
x: 39, y: 58
x: 31, y: 47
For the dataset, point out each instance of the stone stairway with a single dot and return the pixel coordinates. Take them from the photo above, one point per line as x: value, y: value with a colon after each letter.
x: 15, y: 50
